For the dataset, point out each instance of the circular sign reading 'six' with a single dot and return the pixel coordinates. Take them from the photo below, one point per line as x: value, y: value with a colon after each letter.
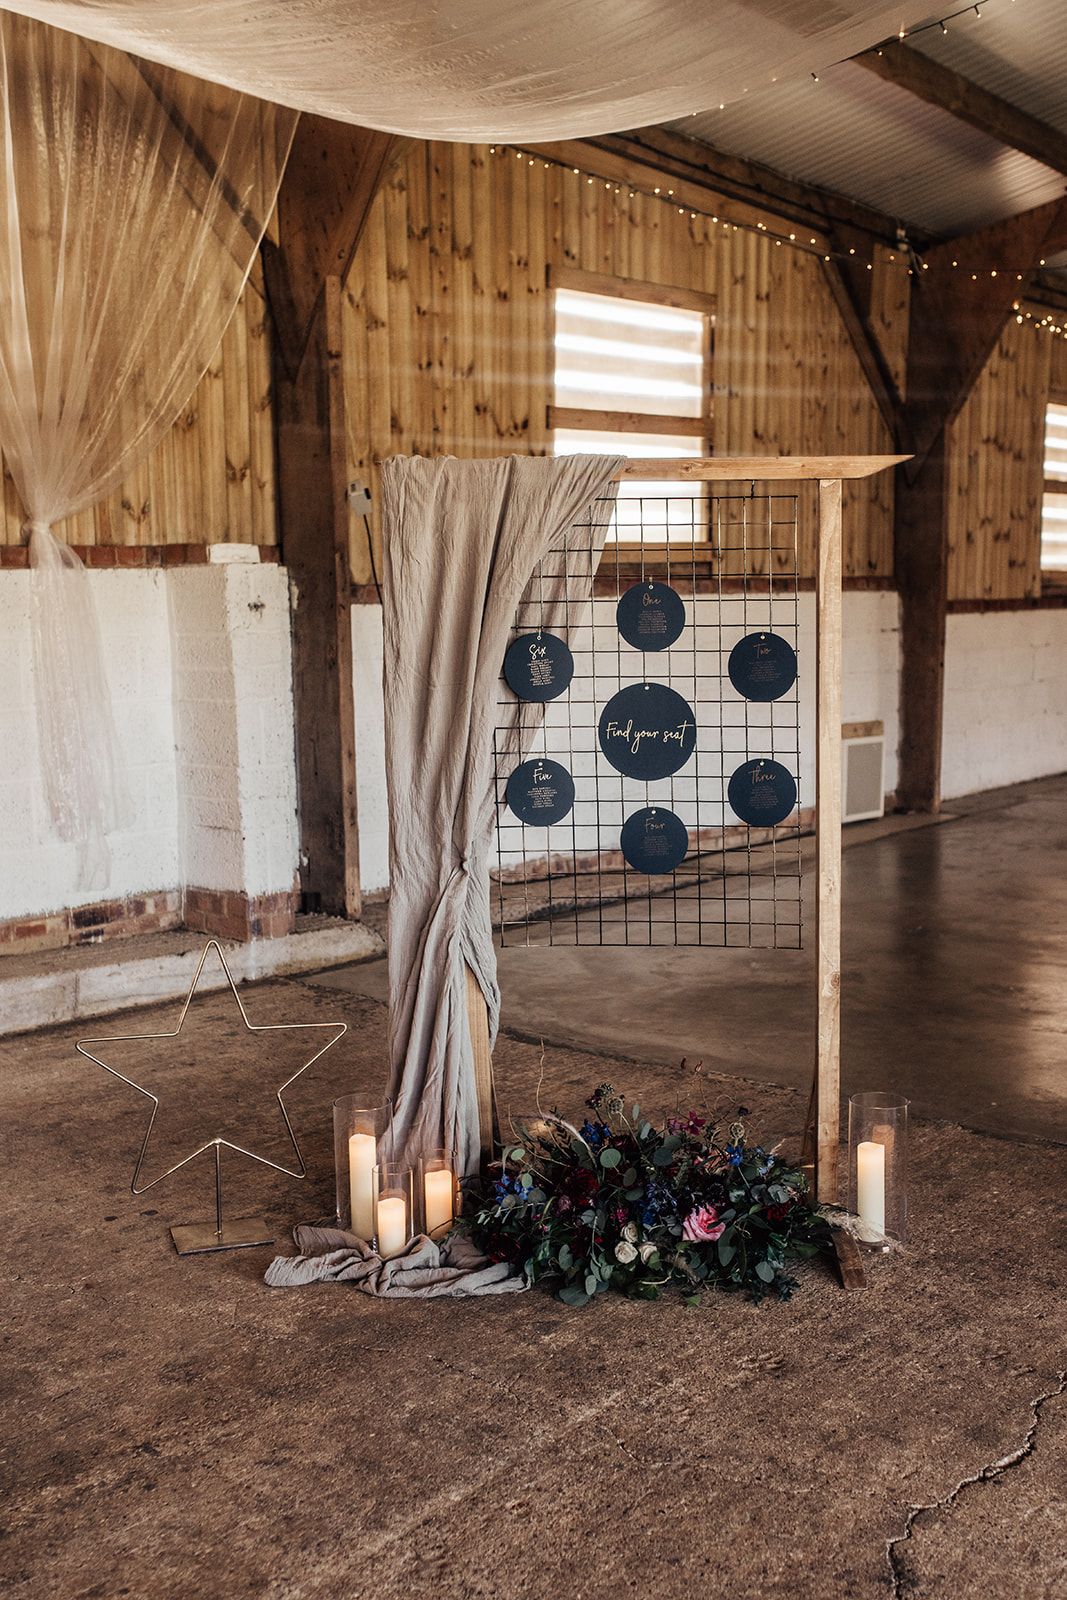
x: 647, y: 731
x: 540, y: 792
x: 650, y: 616
x: 763, y: 666
x: 762, y: 792
x: 654, y: 840
x: 538, y: 666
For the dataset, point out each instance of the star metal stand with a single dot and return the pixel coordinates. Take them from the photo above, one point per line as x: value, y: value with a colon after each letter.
x: 198, y: 1238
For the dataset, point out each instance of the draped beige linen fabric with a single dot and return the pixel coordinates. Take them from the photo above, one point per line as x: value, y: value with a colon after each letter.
x: 132, y: 202
x: 462, y: 541
x: 491, y: 69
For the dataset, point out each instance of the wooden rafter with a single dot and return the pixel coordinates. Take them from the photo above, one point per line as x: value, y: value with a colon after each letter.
x: 947, y: 89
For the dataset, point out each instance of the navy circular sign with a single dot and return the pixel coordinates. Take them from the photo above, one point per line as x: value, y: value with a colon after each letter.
x: 762, y: 792
x: 763, y: 666
x: 538, y: 666
x: 654, y: 840
x: 540, y: 792
x: 650, y: 616
x: 647, y: 731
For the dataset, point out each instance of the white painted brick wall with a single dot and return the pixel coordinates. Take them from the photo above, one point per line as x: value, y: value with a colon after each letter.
x: 207, y: 737
x: 871, y: 651
x: 37, y: 871
x: 1005, y: 699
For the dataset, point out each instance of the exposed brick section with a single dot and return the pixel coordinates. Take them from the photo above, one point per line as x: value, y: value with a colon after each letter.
x: 231, y: 914
x: 130, y: 555
x: 158, y: 912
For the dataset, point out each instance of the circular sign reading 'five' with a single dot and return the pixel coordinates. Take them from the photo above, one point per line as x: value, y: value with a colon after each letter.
x: 538, y: 666
x: 654, y: 840
x: 650, y: 616
x: 540, y: 792
x: 762, y: 792
x: 763, y: 666
x: 647, y: 731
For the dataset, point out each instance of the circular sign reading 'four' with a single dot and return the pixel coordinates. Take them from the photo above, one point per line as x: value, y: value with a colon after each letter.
x: 540, y: 792
x: 538, y: 666
x: 650, y: 616
x: 654, y: 840
x: 647, y: 731
x: 763, y: 666
x: 762, y: 792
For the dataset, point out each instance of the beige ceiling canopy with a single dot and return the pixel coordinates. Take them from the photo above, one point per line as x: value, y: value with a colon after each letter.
x: 490, y: 69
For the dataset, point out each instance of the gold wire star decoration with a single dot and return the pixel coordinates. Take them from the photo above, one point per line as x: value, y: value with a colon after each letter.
x: 194, y: 1238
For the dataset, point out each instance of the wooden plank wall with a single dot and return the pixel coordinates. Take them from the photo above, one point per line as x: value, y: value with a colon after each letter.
x: 447, y: 336
x: 996, y: 465
x: 211, y: 478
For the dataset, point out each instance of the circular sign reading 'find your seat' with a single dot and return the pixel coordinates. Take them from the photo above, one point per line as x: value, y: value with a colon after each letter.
x: 647, y: 731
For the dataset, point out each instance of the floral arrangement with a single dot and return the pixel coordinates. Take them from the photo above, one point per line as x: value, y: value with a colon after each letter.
x: 622, y: 1204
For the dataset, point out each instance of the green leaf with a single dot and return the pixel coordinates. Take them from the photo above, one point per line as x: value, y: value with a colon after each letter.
x: 573, y: 1296
x: 515, y: 1154
x: 526, y: 1180
x: 765, y: 1271
x: 610, y: 1157
x: 565, y: 1258
x: 663, y: 1157
x: 629, y: 1178
x: 692, y: 1299
x: 726, y: 1253
x: 591, y: 1282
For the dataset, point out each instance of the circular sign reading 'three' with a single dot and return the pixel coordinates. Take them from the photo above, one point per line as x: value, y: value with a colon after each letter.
x: 650, y: 616
x: 540, y: 792
x: 647, y: 731
x: 538, y: 666
x: 763, y: 666
x: 762, y: 792
x: 654, y: 840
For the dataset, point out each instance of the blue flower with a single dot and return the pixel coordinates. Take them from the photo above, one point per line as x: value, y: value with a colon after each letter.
x: 735, y: 1154
x: 507, y: 1185
x: 594, y: 1133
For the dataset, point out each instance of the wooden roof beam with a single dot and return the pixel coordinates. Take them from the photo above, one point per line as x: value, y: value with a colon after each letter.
x: 941, y: 86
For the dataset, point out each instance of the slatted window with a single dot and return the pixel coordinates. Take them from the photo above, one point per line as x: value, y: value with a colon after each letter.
x: 1054, y: 501
x: 633, y: 378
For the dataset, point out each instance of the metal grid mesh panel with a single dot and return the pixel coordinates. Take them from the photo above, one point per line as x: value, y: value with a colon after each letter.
x: 733, y: 560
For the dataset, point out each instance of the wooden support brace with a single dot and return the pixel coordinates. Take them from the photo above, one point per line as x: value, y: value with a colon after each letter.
x: 828, y: 651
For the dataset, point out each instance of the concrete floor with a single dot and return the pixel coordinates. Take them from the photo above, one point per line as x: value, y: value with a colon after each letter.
x: 954, y: 945
x: 174, y: 1429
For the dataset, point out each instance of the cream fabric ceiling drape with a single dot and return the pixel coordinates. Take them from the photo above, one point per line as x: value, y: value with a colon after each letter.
x: 491, y: 69
x: 132, y: 202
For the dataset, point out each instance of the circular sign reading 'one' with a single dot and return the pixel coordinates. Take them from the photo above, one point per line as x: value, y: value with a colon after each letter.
x: 763, y: 666
x: 538, y: 666
x: 654, y: 840
x: 540, y: 792
x: 762, y: 792
x: 650, y: 616
x: 647, y: 731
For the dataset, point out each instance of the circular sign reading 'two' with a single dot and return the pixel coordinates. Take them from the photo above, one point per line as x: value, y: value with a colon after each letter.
x: 540, y: 792
x: 538, y: 666
x: 763, y: 666
x: 647, y: 731
x: 654, y: 840
x: 650, y: 616
x: 762, y: 792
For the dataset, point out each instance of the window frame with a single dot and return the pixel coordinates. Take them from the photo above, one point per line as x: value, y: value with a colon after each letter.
x: 1053, y: 579
x: 579, y: 418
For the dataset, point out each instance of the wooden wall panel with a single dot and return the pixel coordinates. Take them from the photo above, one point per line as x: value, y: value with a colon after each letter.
x: 450, y: 283
x: 211, y: 478
x: 996, y: 471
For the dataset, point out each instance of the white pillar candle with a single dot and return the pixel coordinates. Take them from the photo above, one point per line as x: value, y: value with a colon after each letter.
x: 362, y: 1158
x: 438, y: 1189
x: 870, y: 1184
x: 392, y: 1226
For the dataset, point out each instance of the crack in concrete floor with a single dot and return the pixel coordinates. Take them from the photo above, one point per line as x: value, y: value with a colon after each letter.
x: 898, y: 1576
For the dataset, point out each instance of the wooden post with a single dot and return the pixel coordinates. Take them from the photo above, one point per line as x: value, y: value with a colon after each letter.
x: 920, y: 560
x: 313, y: 513
x: 828, y: 663
x: 478, y: 1021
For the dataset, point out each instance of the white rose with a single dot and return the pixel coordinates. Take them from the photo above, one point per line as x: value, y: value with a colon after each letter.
x: 625, y: 1252
x: 630, y: 1232
x: 647, y: 1252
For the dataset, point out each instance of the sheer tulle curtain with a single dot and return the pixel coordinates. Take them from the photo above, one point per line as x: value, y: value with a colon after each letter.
x: 132, y: 201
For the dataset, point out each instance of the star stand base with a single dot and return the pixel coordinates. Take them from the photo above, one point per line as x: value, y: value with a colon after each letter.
x: 198, y: 1238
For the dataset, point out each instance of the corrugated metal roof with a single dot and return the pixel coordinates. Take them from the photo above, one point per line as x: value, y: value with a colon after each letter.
x: 861, y: 137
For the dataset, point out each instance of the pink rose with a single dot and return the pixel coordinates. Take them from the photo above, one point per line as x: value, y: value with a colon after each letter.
x: 702, y: 1226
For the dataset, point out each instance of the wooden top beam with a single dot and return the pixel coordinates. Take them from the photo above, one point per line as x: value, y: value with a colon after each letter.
x: 750, y: 469
x: 940, y: 86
